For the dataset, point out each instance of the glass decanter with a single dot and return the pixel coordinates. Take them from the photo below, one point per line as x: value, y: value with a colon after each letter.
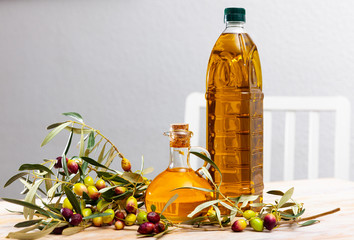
x: 178, y: 174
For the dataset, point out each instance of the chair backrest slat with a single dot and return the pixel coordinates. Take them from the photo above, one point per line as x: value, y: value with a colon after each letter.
x: 342, y: 138
x: 313, y: 151
x: 289, y: 146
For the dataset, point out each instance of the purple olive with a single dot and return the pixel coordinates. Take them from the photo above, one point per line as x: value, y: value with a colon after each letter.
x: 153, y: 217
x: 270, y: 221
x: 146, y: 228
x: 159, y: 227
x: 67, y: 213
x: 75, y: 219
x: 58, y: 164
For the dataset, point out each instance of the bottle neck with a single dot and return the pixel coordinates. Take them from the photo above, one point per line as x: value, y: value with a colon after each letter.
x: 179, y: 157
x: 234, y: 27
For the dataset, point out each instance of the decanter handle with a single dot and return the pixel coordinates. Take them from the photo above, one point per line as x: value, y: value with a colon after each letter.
x: 204, y: 152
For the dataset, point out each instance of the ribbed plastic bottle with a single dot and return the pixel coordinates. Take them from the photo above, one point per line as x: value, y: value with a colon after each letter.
x: 235, y: 109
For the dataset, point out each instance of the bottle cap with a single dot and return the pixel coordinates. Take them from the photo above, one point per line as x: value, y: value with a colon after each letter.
x: 235, y: 15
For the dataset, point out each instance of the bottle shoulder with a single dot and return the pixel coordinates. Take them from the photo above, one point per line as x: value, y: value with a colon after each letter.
x: 234, y: 63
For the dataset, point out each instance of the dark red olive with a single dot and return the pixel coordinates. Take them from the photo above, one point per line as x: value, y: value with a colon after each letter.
x: 159, y: 227
x: 58, y: 164
x: 75, y: 219
x: 119, y: 215
x: 67, y: 213
x: 269, y: 221
x: 153, y: 217
x: 146, y: 228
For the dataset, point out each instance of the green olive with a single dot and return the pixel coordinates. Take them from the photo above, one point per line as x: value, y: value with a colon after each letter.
x: 86, y: 212
x: 130, y: 219
x: 248, y: 214
x: 257, y: 224
x: 109, y: 218
x: 142, y: 217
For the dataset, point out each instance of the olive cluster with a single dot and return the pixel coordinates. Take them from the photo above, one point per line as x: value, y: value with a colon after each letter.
x: 150, y: 223
x: 119, y: 218
x: 269, y: 221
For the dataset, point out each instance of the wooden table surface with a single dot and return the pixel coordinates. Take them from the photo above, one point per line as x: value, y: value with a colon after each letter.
x: 317, y: 195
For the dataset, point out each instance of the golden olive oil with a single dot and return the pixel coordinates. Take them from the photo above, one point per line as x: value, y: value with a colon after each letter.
x: 235, y: 113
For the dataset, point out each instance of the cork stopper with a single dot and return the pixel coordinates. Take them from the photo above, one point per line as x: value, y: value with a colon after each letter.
x: 179, y: 126
x: 179, y: 135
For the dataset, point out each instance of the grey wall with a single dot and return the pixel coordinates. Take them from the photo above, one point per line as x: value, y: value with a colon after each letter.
x: 127, y: 67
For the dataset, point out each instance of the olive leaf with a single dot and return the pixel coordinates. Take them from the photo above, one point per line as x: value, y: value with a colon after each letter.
x: 54, y: 125
x: 29, y: 205
x: 276, y: 192
x: 195, y: 220
x: 74, y: 115
x: 202, y: 206
x: 72, y: 230
x: 14, y: 178
x: 82, y: 143
x: 153, y: 208
x: 133, y: 177
x: 100, y: 157
x: 96, y: 215
x: 103, y: 190
x: 309, y: 222
x: 247, y: 198
x: 147, y: 170
x: 27, y: 223
x: 228, y: 206
x: 256, y: 205
x: 30, y: 197
x: 74, y: 202
x: 111, y: 177
x: 67, y: 147
x: 218, y: 214
x: 64, y: 164
x: 207, y: 174
x: 32, y: 235
x: 91, y: 140
x: 48, y: 182
x: 288, y: 204
x: 289, y: 216
x: 208, y: 160
x: 93, y: 162
x: 171, y: 200
x: 287, y: 195
x: 52, y: 190
x: 35, y: 167
x: 54, y: 132
x: 142, y: 164
x: 110, y: 158
x: 27, y: 212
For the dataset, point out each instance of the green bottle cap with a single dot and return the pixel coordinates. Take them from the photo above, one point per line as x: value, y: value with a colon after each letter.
x: 235, y: 15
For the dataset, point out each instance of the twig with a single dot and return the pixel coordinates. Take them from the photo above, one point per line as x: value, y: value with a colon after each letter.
x: 309, y: 218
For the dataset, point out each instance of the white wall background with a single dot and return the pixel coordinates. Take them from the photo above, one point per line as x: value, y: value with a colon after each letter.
x: 127, y: 67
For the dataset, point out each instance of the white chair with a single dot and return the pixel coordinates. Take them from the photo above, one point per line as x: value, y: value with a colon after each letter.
x: 290, y: 105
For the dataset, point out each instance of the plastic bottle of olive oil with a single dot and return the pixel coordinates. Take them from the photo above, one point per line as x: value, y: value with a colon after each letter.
x: 235, y: 109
